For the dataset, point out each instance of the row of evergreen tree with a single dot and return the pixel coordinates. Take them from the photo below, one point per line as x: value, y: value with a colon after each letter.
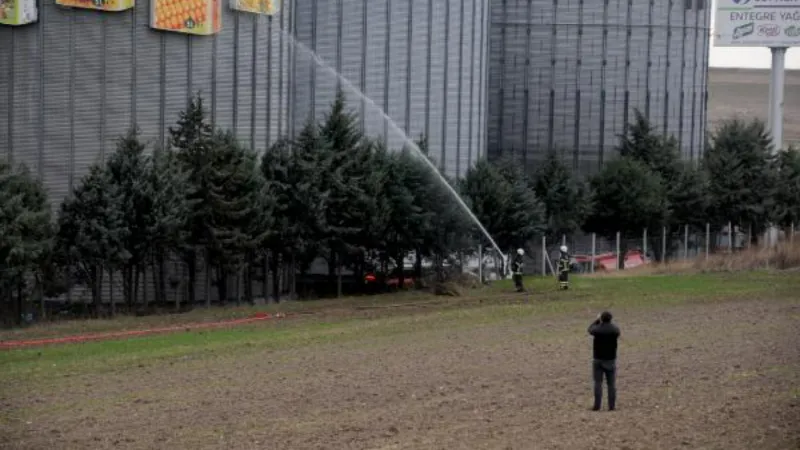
x: 740, y: 179
x: 333, y: 192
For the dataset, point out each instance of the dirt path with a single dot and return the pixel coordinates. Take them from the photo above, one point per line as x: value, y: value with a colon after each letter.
x: 708, y: 376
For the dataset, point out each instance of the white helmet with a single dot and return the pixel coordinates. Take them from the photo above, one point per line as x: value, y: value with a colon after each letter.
x: 563, y: 249
x: 520, y: 251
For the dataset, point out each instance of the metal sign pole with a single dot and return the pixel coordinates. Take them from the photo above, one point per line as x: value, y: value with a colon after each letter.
x: 776, y: 96
x: 762, y: 23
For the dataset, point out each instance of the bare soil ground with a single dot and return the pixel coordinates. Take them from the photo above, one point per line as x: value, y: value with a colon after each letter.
x: 721, y: 375
x: 745, y: 93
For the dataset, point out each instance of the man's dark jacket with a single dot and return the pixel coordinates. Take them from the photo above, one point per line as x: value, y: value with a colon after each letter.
x: 605, y: 340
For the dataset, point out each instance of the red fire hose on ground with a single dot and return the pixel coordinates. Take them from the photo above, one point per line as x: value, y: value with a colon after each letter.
x: 10, y: 345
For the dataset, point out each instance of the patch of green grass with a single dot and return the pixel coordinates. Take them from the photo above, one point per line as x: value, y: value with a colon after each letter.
x: 652, y: 288
x: 498, y: 305
x: 199, y: 315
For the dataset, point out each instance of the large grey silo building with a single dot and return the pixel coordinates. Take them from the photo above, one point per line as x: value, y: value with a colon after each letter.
x: 423, y: 62
x: 568, y: 74
x: 475, y: 76
x: 76, y: 80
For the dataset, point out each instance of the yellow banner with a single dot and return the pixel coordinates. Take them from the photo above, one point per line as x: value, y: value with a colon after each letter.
x: 200, y: 17
x: 268, y: 7
x: 18, y: 12
x: 100, y: 5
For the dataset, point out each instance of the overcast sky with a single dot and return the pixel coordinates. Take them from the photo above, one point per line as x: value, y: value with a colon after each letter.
x: 748, y: 57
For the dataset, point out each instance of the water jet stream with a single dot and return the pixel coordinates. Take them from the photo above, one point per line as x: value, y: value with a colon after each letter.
x: 396, y: 129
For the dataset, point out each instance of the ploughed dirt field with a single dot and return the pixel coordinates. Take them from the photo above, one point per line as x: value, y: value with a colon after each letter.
x: 711, y: 375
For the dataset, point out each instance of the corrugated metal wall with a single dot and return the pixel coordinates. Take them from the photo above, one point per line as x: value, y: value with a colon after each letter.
x: 72, y: 83
x: 567, y: 74
x: 422, y: 61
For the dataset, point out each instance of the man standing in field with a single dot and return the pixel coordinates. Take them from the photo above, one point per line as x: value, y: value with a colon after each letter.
x: 604, y: 361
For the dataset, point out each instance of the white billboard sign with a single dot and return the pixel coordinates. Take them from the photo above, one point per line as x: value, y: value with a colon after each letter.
x: 757, y: 23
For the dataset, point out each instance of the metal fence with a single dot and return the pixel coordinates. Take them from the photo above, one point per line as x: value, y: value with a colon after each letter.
x: 168, y: 290
x: 592, y: 253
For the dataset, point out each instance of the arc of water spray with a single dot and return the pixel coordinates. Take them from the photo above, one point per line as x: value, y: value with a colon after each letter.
x: 408, y: 141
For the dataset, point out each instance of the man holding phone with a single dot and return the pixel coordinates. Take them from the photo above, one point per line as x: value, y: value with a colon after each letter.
x: 604, y: 363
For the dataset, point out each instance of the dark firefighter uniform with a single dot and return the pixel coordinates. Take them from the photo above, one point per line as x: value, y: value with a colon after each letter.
x: 563, y: 269
x: 516, y: 270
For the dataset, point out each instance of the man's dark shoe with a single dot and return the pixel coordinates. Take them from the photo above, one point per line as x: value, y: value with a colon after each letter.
x: 595, y: 408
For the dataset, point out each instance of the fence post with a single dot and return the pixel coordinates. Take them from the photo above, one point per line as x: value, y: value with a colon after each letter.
x: 663, y: 245
x: 686, y: 242
x: 708, y: 238
x: 293, y: 275
x: 207, y: 281
x: 730, y: 237
x: 619, y: 256
x: 644, y: 243
x: 480, y: 263
x: 791, y: 233
x: 749, y: 236
x: 544, y: 256
x: 594, y: 247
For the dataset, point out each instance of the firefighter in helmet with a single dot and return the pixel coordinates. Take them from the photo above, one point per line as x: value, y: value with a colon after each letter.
x: 516, y: 270
x: 563, y: 268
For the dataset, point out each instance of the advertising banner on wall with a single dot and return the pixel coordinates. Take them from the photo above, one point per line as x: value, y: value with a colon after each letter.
x: 18, y: 12
x: 201, y: 17
x: 100, y: 5
x: 268, y: 7
x: 757, y: 23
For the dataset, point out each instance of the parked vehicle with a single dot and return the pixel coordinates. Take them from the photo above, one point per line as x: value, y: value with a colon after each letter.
x: 606, y: 262
x: 377, y: 281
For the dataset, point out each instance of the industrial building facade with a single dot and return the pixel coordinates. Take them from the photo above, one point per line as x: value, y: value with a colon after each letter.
x: 567, y: 75
x: 478, y: 77
x: 75, y: 81
x: 422, y: 62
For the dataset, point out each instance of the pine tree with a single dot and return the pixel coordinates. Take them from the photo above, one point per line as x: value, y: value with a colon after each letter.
x: 311, y: 158
x: 25, y: 236
x: 564, y: 198
x: 445, y: 228
x: 192, y: 133
x: 686, y: 185
x: 379, y: 210
x: 364, y: 216
x: 659, y: 152
x: 278, y: 191
x: 191, y: 139
x: 126, y: 170
x: 404, y: 213
x: 627, y: 198
x: 787, y: 210
x: 168, y: 211
x: 527, y: 213
x: 742, y: 175
x: 689, y: 197
x: 348, y: 203
x: 235, y: 193
x: 297, y: 196
x: 504, y: 204
x: 92, y: 231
